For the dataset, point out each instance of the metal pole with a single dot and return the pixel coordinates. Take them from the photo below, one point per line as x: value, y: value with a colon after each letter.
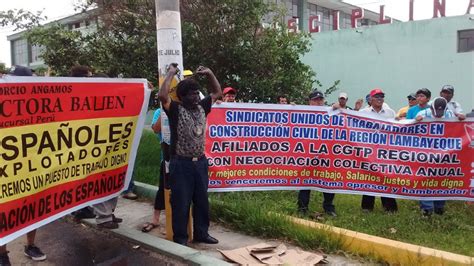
x: 168, y: 34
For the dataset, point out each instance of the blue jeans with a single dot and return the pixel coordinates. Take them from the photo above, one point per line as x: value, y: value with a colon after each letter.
x: 430, y: 205
x: 303, y: 201
x: 189, y: 182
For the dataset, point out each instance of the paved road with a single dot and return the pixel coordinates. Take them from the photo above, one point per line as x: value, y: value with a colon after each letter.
x: 68, y: 243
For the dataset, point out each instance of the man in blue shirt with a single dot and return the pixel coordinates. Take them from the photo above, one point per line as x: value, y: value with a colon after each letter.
x: 438, y: 110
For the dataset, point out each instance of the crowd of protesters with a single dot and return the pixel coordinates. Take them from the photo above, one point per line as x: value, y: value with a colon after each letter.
x: 185, y: 168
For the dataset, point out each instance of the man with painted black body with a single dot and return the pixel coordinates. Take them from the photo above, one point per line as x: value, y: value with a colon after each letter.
x: 316, y: 98
x: 378, y: 109
x: 188, y: 165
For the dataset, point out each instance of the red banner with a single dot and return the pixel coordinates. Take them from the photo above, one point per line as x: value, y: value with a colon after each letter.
x: 65, y: 143
x: 285, y: 147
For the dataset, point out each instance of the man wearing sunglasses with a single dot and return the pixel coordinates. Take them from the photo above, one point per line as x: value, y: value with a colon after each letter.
x: 377, y: 108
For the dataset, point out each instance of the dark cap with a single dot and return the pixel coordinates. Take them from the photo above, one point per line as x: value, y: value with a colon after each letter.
x: 316, y: 94
x: 425, y: 92
x: 20, y: 71
x: 438, y: 107
x: 448, y: 88
x: 411, y: 96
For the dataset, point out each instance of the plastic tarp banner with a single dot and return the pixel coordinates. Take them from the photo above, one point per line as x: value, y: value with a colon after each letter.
x: 65, y: 143
x: 288, y: 147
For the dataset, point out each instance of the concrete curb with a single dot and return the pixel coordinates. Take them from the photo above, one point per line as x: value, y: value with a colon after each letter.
x: 391, y: 251
x: 186, y: 254
x: 145, y: 190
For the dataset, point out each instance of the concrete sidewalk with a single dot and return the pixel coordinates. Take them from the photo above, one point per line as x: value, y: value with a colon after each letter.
x: 136, y: 213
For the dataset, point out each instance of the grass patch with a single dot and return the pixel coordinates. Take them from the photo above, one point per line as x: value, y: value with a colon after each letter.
x: 147, y: 163
x: 247, y: 212
x: 253, y: 218
x: 453, y: 232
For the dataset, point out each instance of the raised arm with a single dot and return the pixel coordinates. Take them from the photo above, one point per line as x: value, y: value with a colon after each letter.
x: 163, y: 94
x: 216, y: 91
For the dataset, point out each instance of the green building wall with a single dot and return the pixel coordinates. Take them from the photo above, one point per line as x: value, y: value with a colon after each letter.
x: 398, y: 58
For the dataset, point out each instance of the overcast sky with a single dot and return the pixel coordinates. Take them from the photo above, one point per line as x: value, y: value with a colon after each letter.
x: 56, y: 9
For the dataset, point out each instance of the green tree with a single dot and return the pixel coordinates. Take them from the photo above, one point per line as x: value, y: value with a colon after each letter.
x: 3, y: 68
x: 125, y: 42
x: 62, y: 48
x: 226, y: 35
x: 261, y: 63
x: 20, y: 19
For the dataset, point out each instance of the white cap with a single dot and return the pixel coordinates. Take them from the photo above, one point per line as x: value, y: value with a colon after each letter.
x: 343, y: 95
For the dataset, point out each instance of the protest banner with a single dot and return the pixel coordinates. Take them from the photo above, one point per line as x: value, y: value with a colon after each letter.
x: 65, y: 143
x: 287, y: 147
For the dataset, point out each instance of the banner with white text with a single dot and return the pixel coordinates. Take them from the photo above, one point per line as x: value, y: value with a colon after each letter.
x: 65, y: 143
x: 287, y: 147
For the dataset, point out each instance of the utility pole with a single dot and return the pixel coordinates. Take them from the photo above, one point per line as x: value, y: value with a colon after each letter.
x: 168, y: 35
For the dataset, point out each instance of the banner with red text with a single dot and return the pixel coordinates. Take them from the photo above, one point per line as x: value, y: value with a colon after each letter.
x: 287, y: 147
x: 65, y: 143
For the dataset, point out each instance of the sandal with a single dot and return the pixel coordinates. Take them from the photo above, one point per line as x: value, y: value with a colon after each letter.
x: 147, y: 227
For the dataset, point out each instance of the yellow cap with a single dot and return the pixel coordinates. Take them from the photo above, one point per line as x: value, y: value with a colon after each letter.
x: 187, y: 73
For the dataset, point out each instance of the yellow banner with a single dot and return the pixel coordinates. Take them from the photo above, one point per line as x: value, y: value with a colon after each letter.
x: 34, y: 158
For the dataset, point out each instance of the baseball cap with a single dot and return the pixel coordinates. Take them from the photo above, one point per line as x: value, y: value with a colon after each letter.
x: 376, y: 91
x: 411, y: 96
x: 316, y: 94
x: 20, y: 71
x: 187, y: 72
x: 343, y: 95
x: 425, y: 92
x: 438, y: 107
x: 229, y: 90
x: 448, y: 88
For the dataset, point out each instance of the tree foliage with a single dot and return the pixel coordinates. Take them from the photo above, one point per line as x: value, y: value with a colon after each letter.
x: 62, y: 48
x: 225, y: 35
x: 20, y: 19
x: 261, y: 63
x: 3, y: 69
x: 125, y: 41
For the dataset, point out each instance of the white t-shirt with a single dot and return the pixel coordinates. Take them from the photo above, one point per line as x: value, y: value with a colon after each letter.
x: 454, y: 107
x: 384, y: 112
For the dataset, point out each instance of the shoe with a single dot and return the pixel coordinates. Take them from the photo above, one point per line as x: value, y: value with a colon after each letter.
x: 208, y: 240
x: 108, y: 225
x: 147, y: 227
x: 316, y: 216
x: 367, y: 210
x: 427, y: 213
x: 439, y: 211
x: 302, y: 211
x: 34, y: 253
x: 4, y: 259
x: 182, y: 243
x: 331, y: 213
x: 116, y: 219
x: 84, y: 213
x: 130, y: 195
